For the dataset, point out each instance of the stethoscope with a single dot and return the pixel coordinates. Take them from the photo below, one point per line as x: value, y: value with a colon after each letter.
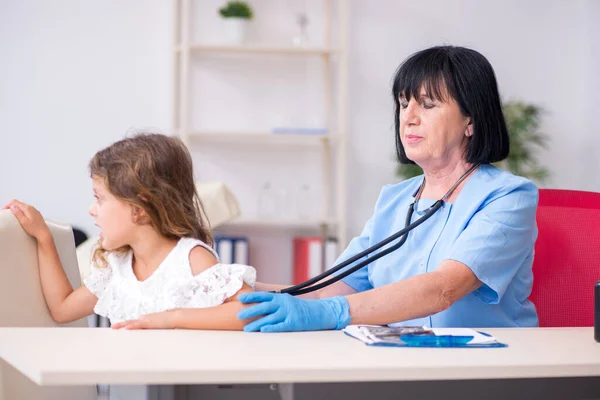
x: 303, y: 288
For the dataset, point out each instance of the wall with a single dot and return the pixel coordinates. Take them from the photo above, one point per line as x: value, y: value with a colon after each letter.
x: 75, y: 76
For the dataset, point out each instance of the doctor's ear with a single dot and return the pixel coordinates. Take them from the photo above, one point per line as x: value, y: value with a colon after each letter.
x: 469, y: 129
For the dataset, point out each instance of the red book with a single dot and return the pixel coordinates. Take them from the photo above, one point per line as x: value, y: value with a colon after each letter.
x: 308, y: 258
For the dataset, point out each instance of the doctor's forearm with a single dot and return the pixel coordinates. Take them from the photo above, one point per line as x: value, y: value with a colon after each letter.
x: 416, y: 297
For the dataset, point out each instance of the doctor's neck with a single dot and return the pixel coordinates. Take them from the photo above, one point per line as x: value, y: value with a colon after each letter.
x: 441, y: 177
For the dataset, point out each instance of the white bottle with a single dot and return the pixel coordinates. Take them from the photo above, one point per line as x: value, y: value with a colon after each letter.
x: 304, y: 202
x: 267, y: 202
x: 286, y: 205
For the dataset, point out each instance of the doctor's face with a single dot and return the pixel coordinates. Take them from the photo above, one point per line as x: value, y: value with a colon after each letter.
x: 434, y: 132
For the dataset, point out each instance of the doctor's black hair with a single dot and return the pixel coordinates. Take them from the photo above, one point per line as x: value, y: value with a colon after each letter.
x: 466, y: 76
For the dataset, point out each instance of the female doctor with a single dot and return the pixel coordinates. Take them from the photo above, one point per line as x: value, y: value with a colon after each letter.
x: 469, y: 264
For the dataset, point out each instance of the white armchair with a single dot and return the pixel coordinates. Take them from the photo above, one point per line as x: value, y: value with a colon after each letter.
x: 22, y: 302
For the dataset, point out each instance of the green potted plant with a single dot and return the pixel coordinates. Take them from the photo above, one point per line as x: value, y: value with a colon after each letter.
x: 236, y: 15
x: 522, y: 122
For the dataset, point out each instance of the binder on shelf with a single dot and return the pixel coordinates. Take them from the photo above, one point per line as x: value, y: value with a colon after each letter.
x: 331, y: 252
x: 308, y: 257
x: 224, y: 247
x: 232, y: 249
x: 240, y: 251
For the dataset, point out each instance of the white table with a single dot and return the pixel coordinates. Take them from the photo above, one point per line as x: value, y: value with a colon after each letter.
x: 82, y: 356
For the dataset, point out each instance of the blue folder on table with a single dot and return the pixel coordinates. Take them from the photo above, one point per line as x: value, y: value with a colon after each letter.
x: 420, y: 336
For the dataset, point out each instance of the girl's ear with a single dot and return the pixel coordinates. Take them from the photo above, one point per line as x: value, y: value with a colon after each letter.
x: 139, y: 215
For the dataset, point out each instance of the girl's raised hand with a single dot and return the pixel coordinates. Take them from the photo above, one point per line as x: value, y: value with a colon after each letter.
x: 30, y: 219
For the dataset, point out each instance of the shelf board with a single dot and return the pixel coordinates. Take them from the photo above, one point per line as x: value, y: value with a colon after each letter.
x: 258, y: 49
x: 278, y: 223
x: 308, y: 139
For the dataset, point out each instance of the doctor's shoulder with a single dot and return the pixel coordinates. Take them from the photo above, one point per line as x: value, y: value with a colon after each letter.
x: 499, y: 185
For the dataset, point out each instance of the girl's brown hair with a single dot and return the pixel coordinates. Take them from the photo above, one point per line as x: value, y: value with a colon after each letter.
x: 153, y: 172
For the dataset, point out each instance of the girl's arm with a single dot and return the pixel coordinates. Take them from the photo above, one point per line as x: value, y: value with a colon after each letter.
x: 268, y: 287
x: 64, y: 303
x: 222, y: 317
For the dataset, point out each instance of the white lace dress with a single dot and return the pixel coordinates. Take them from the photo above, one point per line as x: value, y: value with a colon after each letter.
x: 121, y: 296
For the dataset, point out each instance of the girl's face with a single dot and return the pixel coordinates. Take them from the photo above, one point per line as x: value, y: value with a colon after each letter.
x: 113, y: 216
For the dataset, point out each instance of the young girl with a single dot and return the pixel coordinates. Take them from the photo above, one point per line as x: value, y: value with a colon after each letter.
x: 154, y: 252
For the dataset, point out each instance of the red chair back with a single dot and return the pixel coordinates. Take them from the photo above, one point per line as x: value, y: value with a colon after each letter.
x: 567, y: 257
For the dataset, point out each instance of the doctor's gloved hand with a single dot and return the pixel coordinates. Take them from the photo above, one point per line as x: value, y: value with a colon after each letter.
x: 286, y: 313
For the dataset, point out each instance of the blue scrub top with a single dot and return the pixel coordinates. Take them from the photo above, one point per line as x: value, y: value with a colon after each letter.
x: 490, y: 228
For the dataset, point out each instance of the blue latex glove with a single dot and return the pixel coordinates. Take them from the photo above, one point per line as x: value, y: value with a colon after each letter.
x: 286, y: 313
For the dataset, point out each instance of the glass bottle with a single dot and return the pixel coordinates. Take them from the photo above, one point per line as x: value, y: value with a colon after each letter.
x: 267, y: 202
x: 304, y: 202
